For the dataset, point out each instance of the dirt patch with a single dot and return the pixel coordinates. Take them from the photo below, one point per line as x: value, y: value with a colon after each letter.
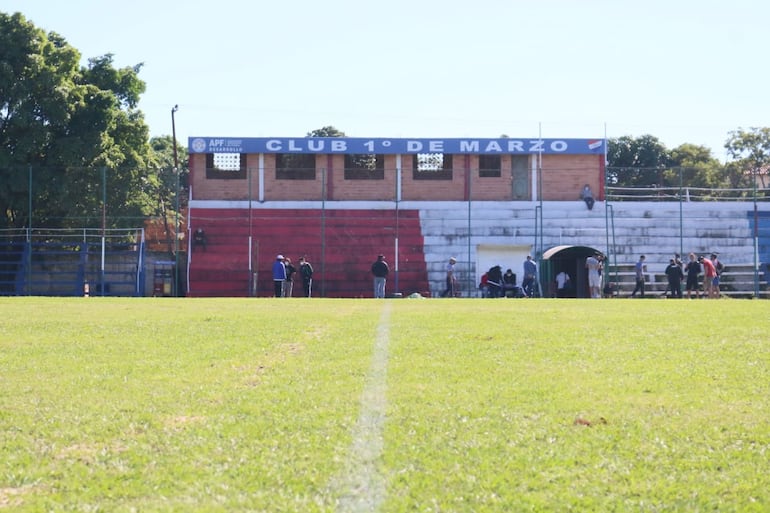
x: 182, y: 421
x: 14, y: 497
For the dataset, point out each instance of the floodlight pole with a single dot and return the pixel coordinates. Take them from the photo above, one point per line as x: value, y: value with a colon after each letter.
x: 28, y: 284
x: 176, y: 200
x: 756, y: 232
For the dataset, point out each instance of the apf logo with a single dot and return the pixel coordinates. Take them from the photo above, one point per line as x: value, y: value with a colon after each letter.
x: 199, y: 145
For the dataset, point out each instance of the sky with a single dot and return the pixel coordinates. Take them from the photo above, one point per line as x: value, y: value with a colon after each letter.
x: 684, y: 71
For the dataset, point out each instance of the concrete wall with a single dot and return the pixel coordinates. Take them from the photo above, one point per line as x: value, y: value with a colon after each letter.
x: 648, y: 228
x: 624, y: 230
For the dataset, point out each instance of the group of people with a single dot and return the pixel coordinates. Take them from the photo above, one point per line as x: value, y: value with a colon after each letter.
x: 494, y: 283
x: 676, y: 272
x: 283, y: 276
x: 594, y: 265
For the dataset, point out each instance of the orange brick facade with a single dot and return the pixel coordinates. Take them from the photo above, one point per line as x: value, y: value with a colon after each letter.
x: 562, y: 177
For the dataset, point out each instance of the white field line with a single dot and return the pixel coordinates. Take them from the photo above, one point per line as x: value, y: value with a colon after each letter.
x: 361, y: 488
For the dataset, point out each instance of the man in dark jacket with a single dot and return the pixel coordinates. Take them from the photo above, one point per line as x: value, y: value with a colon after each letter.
x: 530, y: 275
x: 380, y: 271
x: 306, y: 271
x: 495, y: 281
x: 675, y: 275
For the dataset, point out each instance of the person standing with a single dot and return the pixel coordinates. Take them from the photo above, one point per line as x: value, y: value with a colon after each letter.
x: 594, y: 266
x: 530, y: 273
x: 562, y: 284
x: 718, y: 268
x: 306, y: 272
x: 450, y: 278
x: 709, y: 275
x: 288, y: 284
x: 639, y: 269
x: 674, y: 275
x: 279, y: 276
x: 692, y: 269
x: 380, y: 271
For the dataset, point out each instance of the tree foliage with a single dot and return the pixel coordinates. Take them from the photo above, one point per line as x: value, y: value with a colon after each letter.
x: 697, y: 166
x: 646, y: 162
x: 635, y: 162
x: 750, y: 150
x: 326, y: 131
x: 171, y: 189
x: 162, y: 159
x: 74, y: 131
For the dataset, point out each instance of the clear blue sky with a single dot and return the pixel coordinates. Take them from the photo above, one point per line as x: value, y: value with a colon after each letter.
x: 681, y: 70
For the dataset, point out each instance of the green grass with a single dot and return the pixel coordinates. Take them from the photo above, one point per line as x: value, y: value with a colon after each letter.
x: 256, y: 404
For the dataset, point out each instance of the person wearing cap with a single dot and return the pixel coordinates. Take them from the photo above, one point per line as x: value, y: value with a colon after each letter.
x: 279, y: 275
x: 380, y: 271
x: 451, y: 281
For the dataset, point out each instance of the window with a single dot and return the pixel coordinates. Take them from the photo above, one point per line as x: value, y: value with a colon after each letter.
x: 490, y: 166
x: 224, y: 166
x: 432, y: 166
x: 364, y: 167
x: 294, y: 166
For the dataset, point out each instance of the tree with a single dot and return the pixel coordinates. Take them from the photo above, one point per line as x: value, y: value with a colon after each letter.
x: 165, y: 186
x: 73, y: 131
x: 697, y: 165
x: 327, y: 131
x: 636, y: 162
x: 363, y: 165
x: 750, y: 150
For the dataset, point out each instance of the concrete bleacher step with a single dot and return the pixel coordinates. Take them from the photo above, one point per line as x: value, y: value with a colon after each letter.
x: 632, y: 228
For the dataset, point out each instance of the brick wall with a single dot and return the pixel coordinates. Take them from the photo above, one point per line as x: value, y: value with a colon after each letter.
x: 299, y: 190
x: 357, y: 190
x: 432, y: 190
x: 221, y: 188
x: 563, y: 177
x: 492, y: 188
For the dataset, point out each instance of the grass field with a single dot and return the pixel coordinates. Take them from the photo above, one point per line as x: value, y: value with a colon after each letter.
x: 121, y: 405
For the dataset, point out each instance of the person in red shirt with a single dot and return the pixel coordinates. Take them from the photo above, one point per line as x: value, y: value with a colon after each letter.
x: 709, y: 274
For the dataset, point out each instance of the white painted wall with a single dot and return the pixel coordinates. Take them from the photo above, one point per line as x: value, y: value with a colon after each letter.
x: 507, y: 257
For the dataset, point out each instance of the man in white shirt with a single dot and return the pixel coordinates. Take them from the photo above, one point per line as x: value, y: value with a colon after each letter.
x: 562, y: 284
x: 451, y: 282
x: 594, y: 278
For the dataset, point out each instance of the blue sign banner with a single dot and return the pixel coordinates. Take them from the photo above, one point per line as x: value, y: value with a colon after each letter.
x: 397, y: 146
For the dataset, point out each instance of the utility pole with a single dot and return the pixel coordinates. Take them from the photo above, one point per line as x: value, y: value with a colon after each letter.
x: 176, y: 207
